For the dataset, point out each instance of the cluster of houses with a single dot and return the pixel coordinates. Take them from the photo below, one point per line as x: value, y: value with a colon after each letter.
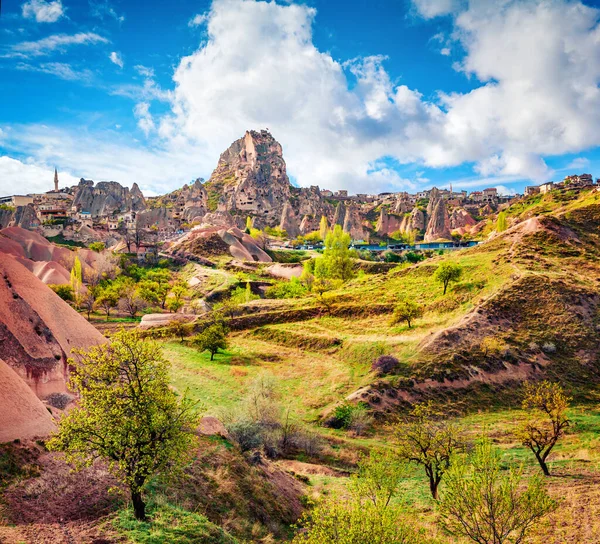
x: 570, y: 182
x: 454, y: 198
x: 56, y: 207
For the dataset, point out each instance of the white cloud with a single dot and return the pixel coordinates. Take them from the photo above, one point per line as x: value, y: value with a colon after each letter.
x: 117, y: 59
x: 428, y: 9
x: 102, y: 10
x: 144, y: 71
x: 51, y: 44
x: 579, y: 163
x: 20, y: 177
x: 149, y: 90
x: 43, y: 11
x: 535, y: 65
x: 507, y: 191
x: 58, y: 69
x: 198, y: 20
x: 144, y: 117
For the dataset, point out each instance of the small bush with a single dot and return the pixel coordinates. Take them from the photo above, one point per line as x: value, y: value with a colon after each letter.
x: 247, y: 434
x: 548, y: 347
x: 350, y: 417
x: 59, y: 400
x: 287, y: 289
x: 385, y: 364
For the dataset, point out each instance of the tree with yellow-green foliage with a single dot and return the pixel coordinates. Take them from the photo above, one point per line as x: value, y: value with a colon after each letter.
x: 547, y: 421
x: 76, y: 280
x: 323, y: 227
x: 487, y: 504
x: 447, y: 272
x: 371, y: 514
x: 406, y: 310
x: 336, y: 261
x: 127, y: 414
x: 427, y: 438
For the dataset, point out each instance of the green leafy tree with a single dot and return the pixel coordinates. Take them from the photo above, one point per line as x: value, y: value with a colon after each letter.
x: 546, y: 421
x: 126, y: 414
x: 178, y: 292
x: 371, y: 514
x: 501, y: 224
x: 107, y: 299
x: 88, y: 301
x: 162, y: 278
x: 242, y: 295
x: 336, y: 262
x: 63, y: 291
x: 489, y: 505
x: 150, y: 291
x: 427, y: 438
x: 448, y: 272
x: 130, y: 300
x: 97, y: 246
x: 406, y: 310
x: 178, y: 328
x: 249, y: 224
x: 323, y: 227
x: 211, y: 339
x: 76, y: 280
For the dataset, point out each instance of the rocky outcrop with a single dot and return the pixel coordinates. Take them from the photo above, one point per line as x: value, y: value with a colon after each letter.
x: 204, y: 242
x: 22, y: 415
x: 250, y: 178
x: 309, y: 201
x: 438, y: 225
x: 288, y: 222
x: 25, y: 217
x: 38, y: 330
x: 461, y: 219
x: 156, y: 217
x: 309, y: 224
x: 340, y: 215
x: 6, y: 216
x: 107, y: 197
x: 403, y: 204
x: 353, y: 223
x: 388, y: 223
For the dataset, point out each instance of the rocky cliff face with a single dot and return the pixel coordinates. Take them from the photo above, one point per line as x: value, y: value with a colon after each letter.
x: 353, y: 223
x: 388, y: 223
x: 289, y: 221
x: 107, y: 197
x: 438, y: 226
x: 250, y: 179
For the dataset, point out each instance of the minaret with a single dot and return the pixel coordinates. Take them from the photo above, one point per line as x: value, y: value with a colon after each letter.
x: 56, y: 180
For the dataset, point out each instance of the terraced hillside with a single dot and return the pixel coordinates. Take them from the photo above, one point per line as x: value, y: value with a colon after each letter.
x: 526, y: 305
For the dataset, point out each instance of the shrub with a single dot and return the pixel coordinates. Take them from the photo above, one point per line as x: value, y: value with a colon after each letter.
x: 287, y: 289
x: 63, y: 291
x: 347, y: 415
x: 548, y: 347
x: 247, y: 434
x: 385, y: 364
x: 413, y: 257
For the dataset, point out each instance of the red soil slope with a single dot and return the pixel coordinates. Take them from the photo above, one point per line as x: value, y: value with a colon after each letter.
x: 38, y: 329
x: 49, y: 262
x: 22, y: 414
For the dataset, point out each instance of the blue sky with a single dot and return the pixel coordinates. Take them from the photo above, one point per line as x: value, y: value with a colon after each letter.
x: 366, y: 95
